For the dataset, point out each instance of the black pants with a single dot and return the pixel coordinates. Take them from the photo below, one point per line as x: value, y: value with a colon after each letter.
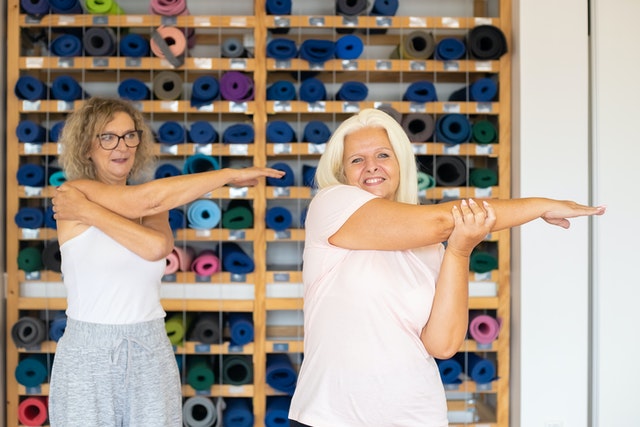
x: 293, y: 423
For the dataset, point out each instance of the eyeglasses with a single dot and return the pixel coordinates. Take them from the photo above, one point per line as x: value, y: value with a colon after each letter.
x: 110, y: 141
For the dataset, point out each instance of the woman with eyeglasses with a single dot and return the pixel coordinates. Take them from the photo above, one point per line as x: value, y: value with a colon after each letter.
x: 114, y: 364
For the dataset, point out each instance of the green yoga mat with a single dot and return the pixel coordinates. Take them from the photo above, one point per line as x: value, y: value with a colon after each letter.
x: 200, y: 373
x: 425, y: 181
x: 482, y: 262
x: 103, y: 7
x: 237, y: 370
x: 30, y: 259
x: 483, y: 177
x: 177, y: 326
x: 484, y: 132
x: 238, y: 215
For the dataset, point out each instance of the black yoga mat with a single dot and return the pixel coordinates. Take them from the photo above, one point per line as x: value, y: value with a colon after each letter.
x: 237, y: 370
x: 51, y: 257
x: 206, y: 329
x: 486, y: 42
x: 28, y: 332
x: 99, y: 41
x: 448, y: 171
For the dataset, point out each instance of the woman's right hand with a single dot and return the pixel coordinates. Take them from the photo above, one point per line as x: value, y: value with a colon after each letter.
x: 472, y: 223
x: 69, y: 203
x: 248, y: 177
x: 563, y: 209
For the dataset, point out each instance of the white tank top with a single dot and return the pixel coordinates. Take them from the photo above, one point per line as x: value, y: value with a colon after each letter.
x: 107, y: 283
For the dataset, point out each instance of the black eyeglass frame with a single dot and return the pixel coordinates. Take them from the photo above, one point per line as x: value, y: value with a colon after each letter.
x: 120, y: 137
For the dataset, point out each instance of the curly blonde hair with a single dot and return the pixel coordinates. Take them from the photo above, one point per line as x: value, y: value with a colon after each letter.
x: 80, y: 130
x: 330, y: 170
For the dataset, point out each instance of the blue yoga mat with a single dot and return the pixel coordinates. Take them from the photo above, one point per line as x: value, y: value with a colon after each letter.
x: 384, y: 8
x: 482, y: 90
x: 166, y: 170
x: 241, y: 328
x: 57, y: 327
x: 312, y: 90
x: 287, y: 180
x: 27, y: 217
x: 280, y: 373
x: 279, y: 7
x: 49, y: 220
x: 134, y: 45
x: 234, y: 259
x: 277, y: 412
x: 479, y: 369
x: 30, y: 131
x: 205, y: 90
x: 172, y: 133
x: 35, y: 7
x: 453, y: 129
x: 66, y: 6
x: 134, y: 90
x: 282, y: 49
x: 57, y: 178
x: 420, y: 91
x: 66, y: 45
x: 238, y: 413
x: 33, y: 370
x: 450, y: 371
x: 280, y: 131
x: 31, y: 88
x: 202, y: 132
x: 200, y: 163
x: 239, y: 133
x: 31, y: 175
x: 55, y: 131
x: 317, y: 51
x: 278, y: 218
x: 282, y: 90
x: 177, y: 220
x: 203, y: 214
x: 349, y: 47
x: 66, y: 88
x: 450, y: 48
x: 316, y: 132
x: 352, y: 91
x: 309, y: 176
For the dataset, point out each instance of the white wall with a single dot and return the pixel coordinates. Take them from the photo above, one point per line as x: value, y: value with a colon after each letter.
x: 555, y: 300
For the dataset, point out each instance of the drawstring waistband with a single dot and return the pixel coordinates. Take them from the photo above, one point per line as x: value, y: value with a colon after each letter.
x: 115, y: 354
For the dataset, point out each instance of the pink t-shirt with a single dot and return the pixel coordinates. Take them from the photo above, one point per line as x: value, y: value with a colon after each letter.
x: 364, y: 364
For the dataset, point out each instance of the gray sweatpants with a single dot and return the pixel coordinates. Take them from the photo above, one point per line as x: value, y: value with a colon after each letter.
x: 115, y: 376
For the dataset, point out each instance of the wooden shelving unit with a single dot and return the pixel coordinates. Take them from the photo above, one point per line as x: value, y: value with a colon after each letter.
x: 277, y: 255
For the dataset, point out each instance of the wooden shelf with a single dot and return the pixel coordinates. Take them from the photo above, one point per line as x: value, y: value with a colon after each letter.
x: 344, y: 107
x: 178, y: 106
x: 386, y: 65
x: 374, y: 22
x: 140, y: 21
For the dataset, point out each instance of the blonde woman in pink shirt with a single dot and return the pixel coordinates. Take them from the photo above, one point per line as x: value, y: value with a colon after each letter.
x: 382, y: 297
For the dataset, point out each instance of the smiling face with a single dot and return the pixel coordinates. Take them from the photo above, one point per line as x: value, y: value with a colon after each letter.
x: 114, y: 166
x: 370, y: 163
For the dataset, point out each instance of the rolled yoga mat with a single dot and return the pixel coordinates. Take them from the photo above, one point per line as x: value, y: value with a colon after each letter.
x: 282, y: 49
x: 392, y: 112
x: 450, y: 370
x: 168, y: 7
x: 237, y: 370
x: 32, y: 411
x: 133, y: 90
x: 479, y: 369
x: 282, y: 90
x: 202, y: 132
x: 206, y: 329
x: 278, y: 7
x: 280, y: 131
x: 200, y: 373
x: 453, y: 129
x: 57, y: 327
x: 236, y: 86
x: 66, y: 88
x: 55, y: 131
x: 31, y: 175
x: 234, y: 259
x: 486, y: 42
x: 169, y: 43
x: 449, y: 171
x: 349, y: 47
x: 103, y: 7
x: 30, y: 259
x: 384, y: 8
x: 179, y: 259
x: 316, y: 132
x: 420, y: 91
x: 172, y: 133
x: 287, y: 180
x: 99, y: 41
x: 203, y: 214
x: 32, y: 371
x: 200, y: 163
x: 239, y: 133
x: 51, y: 257
x: 278, y: 218
x: 35, y: 7
x: 415, y: 45
x: 238, y: 215
x: 177, y: 220
x: 56, y: 177
x: 206, y: 263
x: 280, y: 373
x: 425, y: 181
x: 312, y: 90
x: 484, y: 329
x: 28, y: 332
x: 241, y: 328
x: 204, y: 90
x: 483, y: 177
x: 317, y: 51
x: 199, y: 411
x: 66, y: 6
x: 483, y: 132
x: 277, y: 412
x: 49, y: 220
x: 482, y: 262
x: 177, y: 326
x: 167, y: 85
x: 133, y: 45
x: 450, y: 49
x: 352, y: 91
x: 31, y: 89
x: 350, y: 7
x: 309, y: 175
x: 482, y: 90
x: 237, y: 413
x: 30, y: 131
x: 166, y: 170
x: 233, y: 47
x: 419, y: 127
x: 66, y: 45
